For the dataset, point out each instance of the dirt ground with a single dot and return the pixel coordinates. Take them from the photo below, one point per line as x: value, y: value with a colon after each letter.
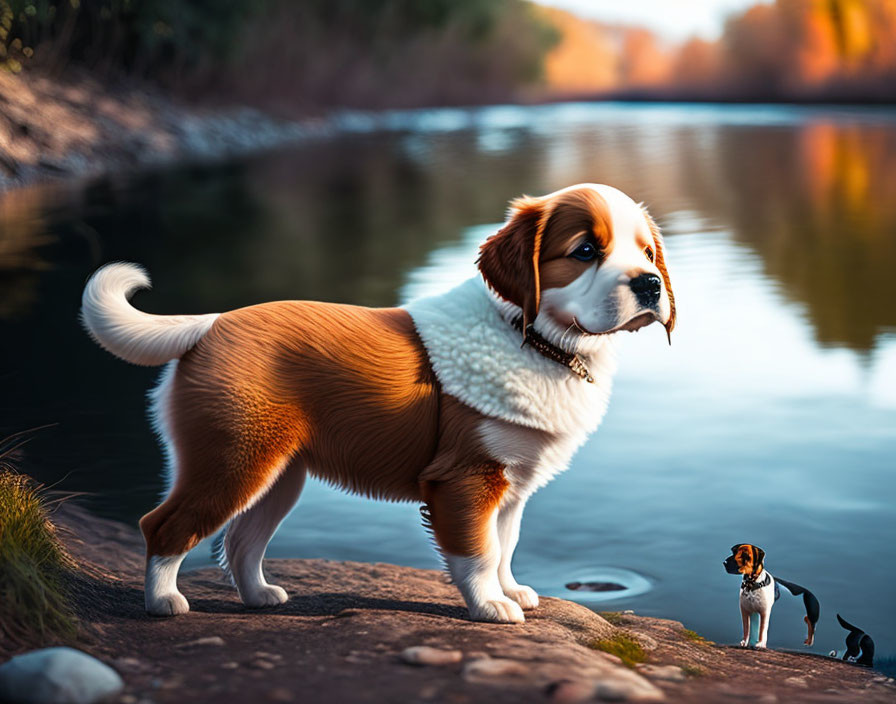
x: 341, y: 636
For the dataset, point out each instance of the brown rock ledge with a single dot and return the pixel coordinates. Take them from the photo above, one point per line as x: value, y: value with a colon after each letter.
x: 342, y: 636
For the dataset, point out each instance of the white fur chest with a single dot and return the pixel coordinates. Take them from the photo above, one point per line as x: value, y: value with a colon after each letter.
x: 477, y: 358
x: 758, y: 600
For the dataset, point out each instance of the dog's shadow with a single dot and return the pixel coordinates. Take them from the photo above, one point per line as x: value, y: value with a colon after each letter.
x: 335, y: 604
x: 100, y: 600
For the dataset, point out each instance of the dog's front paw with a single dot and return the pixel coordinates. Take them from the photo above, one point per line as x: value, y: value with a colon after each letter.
x: 267, y: 595
x: 745, y: 642
x: 523, y: 595
x: 167, y: 604
x: 498, y: 611
x: 760, y: 645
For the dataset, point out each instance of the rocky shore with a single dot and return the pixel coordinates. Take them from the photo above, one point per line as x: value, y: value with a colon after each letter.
x: 356, y: 632
x: 76, y: 127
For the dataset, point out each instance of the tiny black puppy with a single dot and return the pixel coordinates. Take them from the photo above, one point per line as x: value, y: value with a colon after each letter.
x: 859, y: 646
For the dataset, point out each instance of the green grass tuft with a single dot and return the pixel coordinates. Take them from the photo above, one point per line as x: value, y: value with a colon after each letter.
x: 695, y: 637
x: 33, y: 567
x: 693, y: 670
x: 616, y: 618
x: 623, y: 646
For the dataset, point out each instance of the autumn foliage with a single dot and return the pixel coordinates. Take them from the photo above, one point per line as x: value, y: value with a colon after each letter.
x: 788, y: 49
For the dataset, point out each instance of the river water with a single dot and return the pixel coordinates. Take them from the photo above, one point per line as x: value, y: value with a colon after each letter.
x: 771, y: 419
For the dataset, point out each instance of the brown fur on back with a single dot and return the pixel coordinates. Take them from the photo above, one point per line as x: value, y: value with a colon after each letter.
x: 345, y: 391
x: 349, y: 388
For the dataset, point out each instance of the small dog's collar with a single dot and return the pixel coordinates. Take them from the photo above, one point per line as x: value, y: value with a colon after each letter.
x: 750, y: 584
x: 547, y: 349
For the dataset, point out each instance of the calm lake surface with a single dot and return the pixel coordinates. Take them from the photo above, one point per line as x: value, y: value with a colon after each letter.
x: 771, y: 419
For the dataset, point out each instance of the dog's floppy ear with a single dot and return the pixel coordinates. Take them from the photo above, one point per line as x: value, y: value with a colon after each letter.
x: 508, y: 260
x: 660, y: 261
x: 758, y: 557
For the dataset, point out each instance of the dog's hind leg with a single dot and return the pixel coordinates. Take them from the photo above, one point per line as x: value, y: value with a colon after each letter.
x: 249, y: 533
x: 219, y: 473
x: 199, y: 505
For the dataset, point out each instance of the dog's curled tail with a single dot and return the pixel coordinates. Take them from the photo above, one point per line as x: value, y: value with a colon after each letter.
x: 848, y: 626
x: 132, y: 335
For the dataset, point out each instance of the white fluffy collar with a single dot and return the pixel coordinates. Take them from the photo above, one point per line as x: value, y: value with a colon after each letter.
x: 477, y: 358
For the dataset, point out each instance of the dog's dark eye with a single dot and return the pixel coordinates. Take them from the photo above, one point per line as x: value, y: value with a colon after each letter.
x: 585, y: 252
x: 648, y: 252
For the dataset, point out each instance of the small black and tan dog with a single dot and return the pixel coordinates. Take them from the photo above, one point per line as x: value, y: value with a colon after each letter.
x: 759, y: 592
x: 859, y: 646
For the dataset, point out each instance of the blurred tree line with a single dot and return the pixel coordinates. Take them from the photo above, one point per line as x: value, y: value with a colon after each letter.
x: 783, y: 50
x: 842, y: 48
x: 289, y: 53
x: 314, y: 54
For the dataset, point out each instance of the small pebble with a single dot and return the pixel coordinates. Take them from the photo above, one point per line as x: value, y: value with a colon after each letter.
x: 262, y: 665
x: 484, y: 670
x: 229, y: 665
x: 426, y: 655
x: 669, y: 673
x: 797, y: 682
x: 267, y: 656
x: 201, y: 642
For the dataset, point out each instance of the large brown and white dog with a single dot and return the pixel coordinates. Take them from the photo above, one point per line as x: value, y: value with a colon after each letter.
x: 436, y: 402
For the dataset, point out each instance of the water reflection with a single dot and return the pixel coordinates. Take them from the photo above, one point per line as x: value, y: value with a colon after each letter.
x: 818, y: 206
x: 24, y: 234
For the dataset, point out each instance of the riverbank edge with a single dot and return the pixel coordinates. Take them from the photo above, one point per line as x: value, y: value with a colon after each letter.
x: 346, y: 632
x: 54, y: 130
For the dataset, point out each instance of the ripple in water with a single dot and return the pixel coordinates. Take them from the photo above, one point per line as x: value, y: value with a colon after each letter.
x: 606, y: 584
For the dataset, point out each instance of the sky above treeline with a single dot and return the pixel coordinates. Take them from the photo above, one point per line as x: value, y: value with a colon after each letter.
x: 674, y: 20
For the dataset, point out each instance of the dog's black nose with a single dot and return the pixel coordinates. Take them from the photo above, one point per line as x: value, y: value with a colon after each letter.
x: 646, y: 288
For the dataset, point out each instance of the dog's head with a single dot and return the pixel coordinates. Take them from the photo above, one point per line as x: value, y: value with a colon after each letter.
x: 745, y: 559
x: 587, y: 259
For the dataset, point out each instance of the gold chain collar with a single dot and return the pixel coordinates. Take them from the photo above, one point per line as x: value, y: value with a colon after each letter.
x: 534, y: 339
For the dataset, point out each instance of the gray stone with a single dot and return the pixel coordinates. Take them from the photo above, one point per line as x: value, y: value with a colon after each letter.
x: 57, y: 676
